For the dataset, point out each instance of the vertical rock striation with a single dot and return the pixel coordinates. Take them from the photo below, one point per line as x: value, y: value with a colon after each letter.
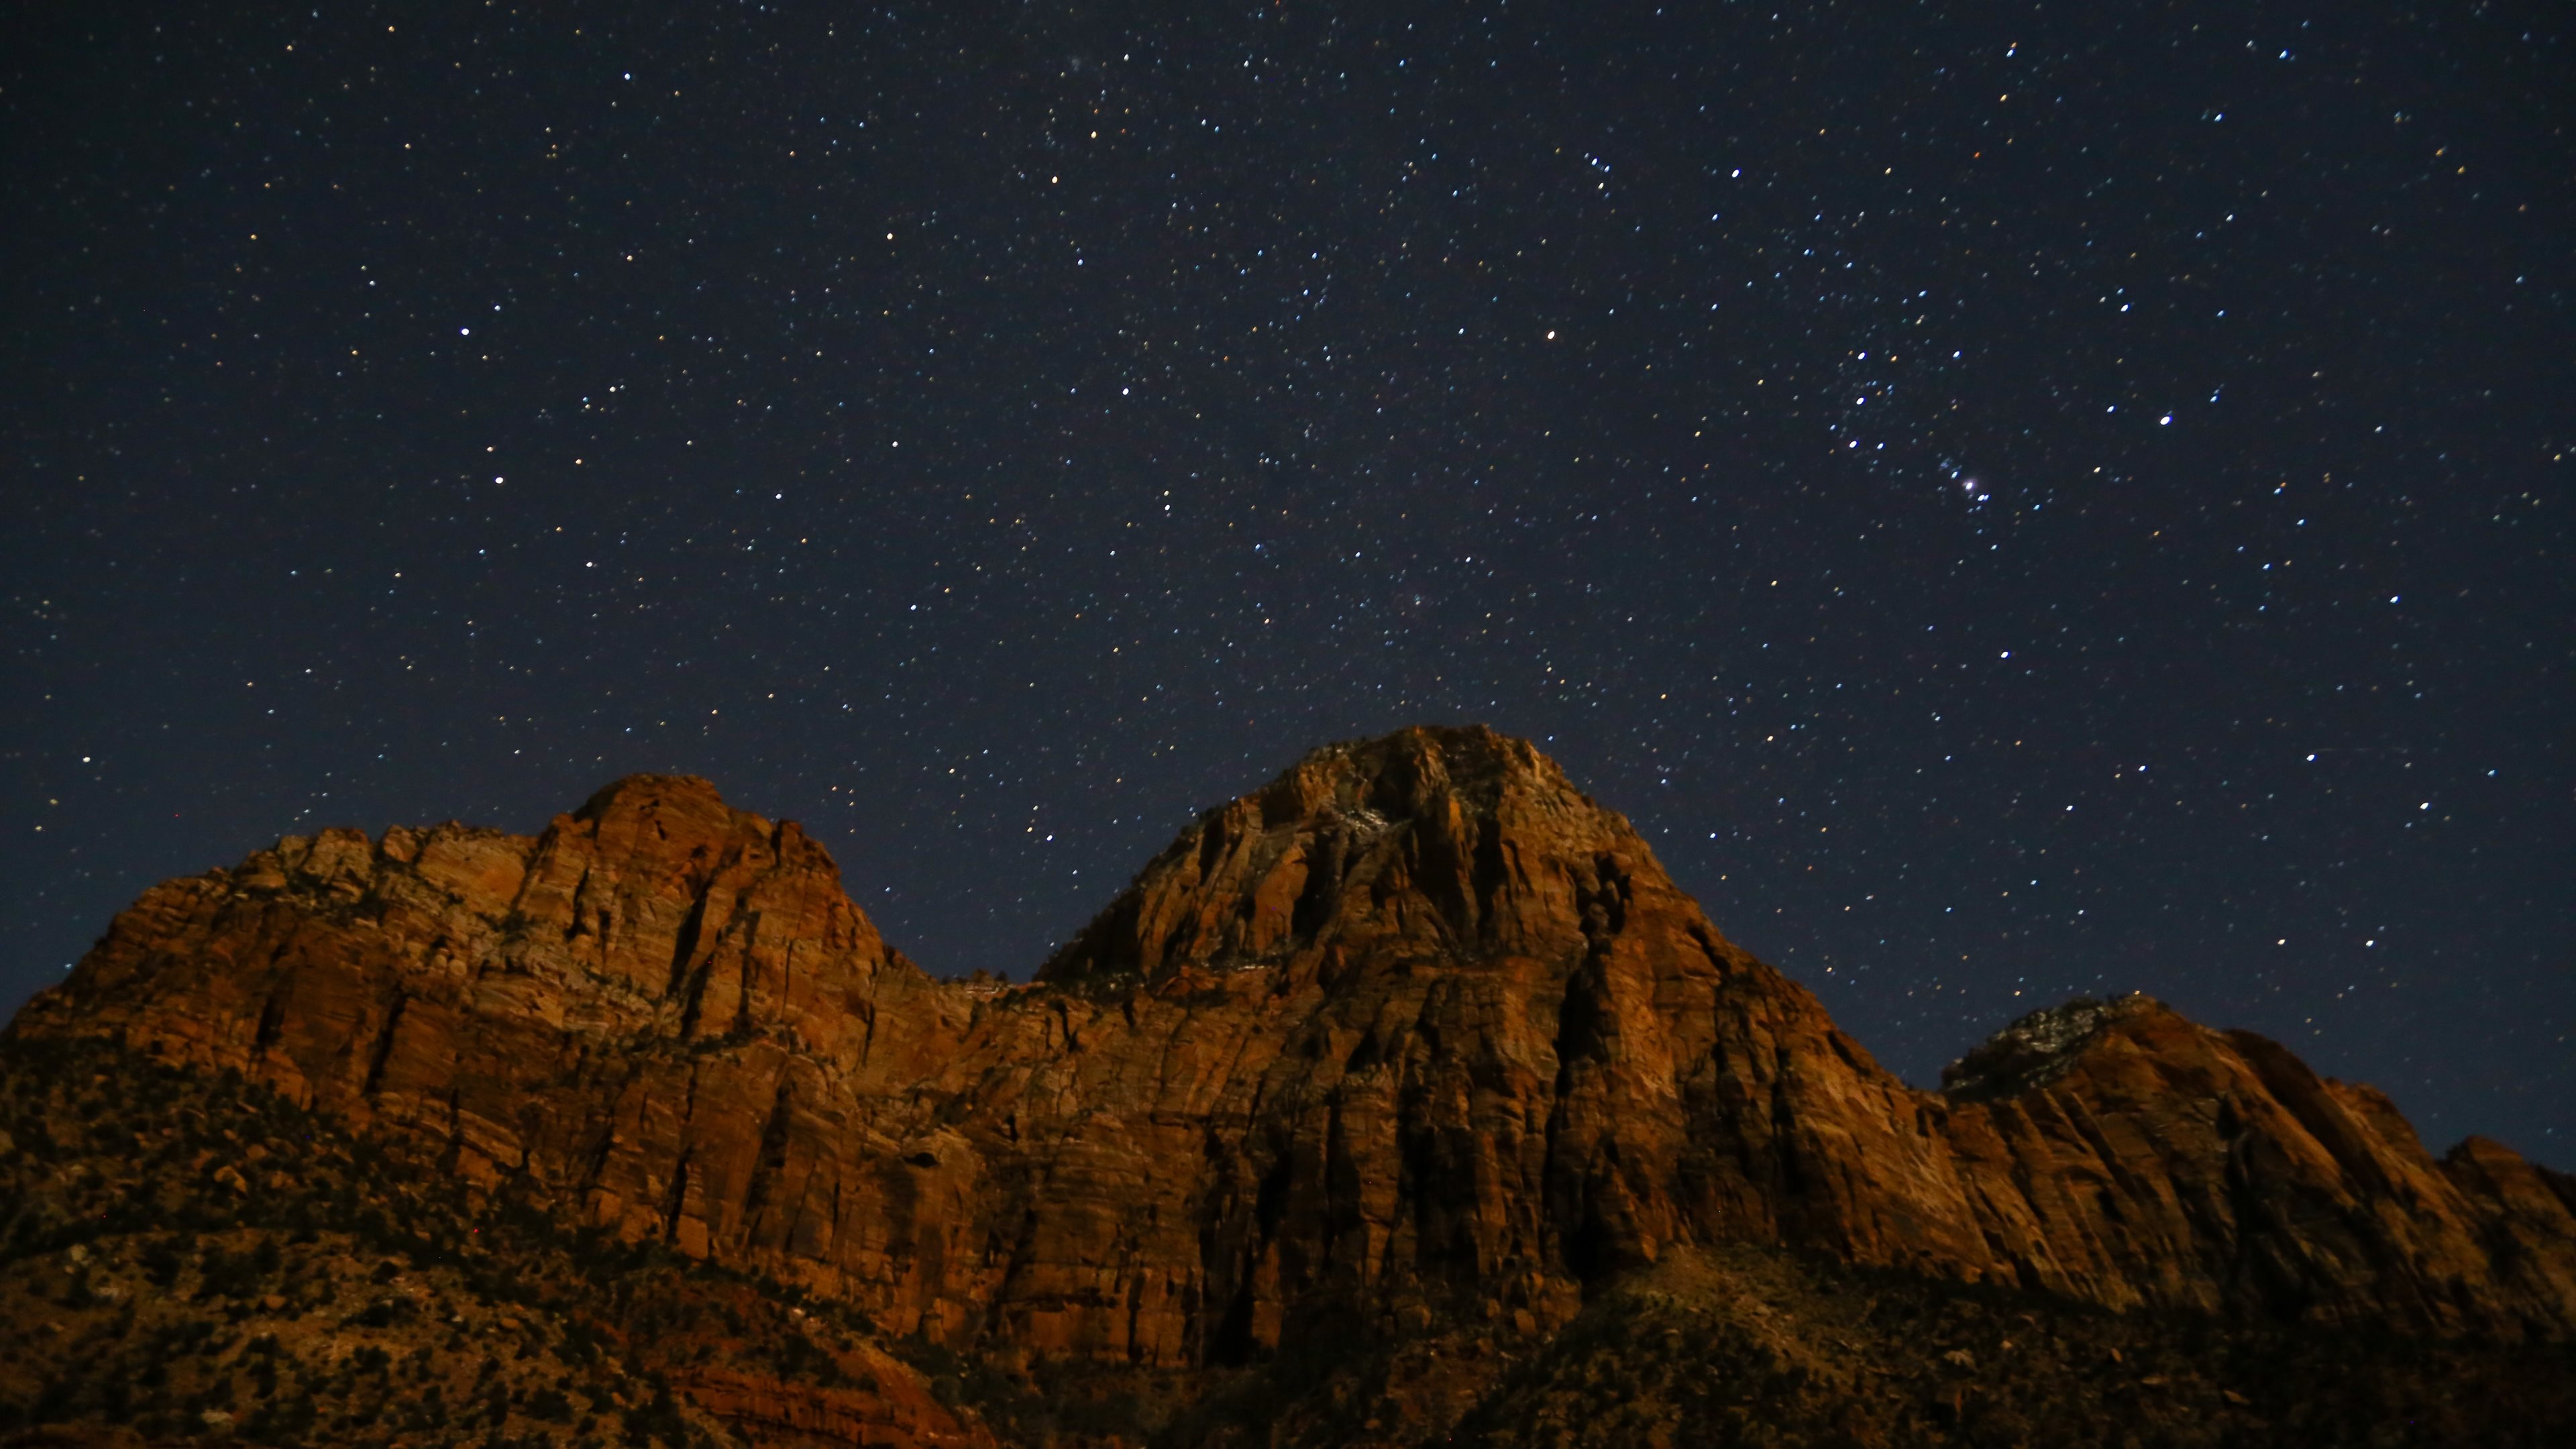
x: 1417, y: 1030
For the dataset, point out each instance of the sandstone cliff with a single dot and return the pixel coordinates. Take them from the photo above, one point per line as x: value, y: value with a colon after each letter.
x: 1417, y: 1032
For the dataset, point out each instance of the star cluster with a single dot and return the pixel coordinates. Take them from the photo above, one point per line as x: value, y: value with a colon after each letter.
x: 2011, y: 503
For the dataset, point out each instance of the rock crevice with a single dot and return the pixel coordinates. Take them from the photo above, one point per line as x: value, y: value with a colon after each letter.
x: 1415, y: 1020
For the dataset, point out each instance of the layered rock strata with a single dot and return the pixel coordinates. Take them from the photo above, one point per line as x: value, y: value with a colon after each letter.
x: 1417, y: 1029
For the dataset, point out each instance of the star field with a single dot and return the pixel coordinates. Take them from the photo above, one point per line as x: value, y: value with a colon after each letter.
x: 2010, y: 504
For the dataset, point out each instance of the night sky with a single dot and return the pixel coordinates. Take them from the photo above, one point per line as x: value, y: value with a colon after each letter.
x: 2010, y: 504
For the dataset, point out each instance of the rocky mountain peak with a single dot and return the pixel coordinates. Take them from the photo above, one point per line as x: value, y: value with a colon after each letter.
x: 685, y: 801
x: 2036, y: 1049
x: 1403, y: 774
x: 1463, y: 838
x: 681, y: 825
x: 1414, y: 1034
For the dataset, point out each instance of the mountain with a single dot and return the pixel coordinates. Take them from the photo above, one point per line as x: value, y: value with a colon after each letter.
x: 1382, y: 1095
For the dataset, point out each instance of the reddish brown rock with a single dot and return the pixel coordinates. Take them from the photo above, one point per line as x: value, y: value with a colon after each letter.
x: 1416, y: 1031
x: 768, y: 1411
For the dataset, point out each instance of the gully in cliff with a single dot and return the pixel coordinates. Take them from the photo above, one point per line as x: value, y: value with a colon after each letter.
x: 1415, y: 1045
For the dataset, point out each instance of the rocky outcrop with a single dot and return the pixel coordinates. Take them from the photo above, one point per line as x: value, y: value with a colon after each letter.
x: 1418, y: 1030
x: 2150, y: 1161
x: 762, y: 1410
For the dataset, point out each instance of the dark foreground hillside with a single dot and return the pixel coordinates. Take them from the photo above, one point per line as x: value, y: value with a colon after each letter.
x: 1405, y: 1100
x: 186, y: 1259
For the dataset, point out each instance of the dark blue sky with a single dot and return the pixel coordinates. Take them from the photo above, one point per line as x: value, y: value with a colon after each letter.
x: 2010, y: 504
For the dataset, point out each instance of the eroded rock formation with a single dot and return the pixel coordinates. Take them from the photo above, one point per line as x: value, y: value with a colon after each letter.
x: 1417, y: 1030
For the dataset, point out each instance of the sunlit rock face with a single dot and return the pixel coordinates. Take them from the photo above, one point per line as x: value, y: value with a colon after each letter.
x: 1416, y: 1030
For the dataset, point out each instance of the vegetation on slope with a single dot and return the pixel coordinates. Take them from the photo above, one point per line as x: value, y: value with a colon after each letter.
x: 184, y: 1258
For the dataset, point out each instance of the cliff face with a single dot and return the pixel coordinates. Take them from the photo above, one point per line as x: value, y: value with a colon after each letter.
x: 1417, y: 1031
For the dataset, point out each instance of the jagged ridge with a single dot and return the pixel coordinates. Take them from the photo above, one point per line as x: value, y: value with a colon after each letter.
x: 1417, y: 1031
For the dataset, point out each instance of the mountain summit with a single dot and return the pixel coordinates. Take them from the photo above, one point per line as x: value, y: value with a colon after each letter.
x: 1415, y: 1036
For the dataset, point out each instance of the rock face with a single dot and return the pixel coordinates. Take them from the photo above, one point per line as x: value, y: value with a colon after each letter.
x: 1417, y: 1030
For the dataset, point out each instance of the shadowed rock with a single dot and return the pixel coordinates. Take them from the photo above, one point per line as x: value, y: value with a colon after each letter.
x: 1416, y: 1030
